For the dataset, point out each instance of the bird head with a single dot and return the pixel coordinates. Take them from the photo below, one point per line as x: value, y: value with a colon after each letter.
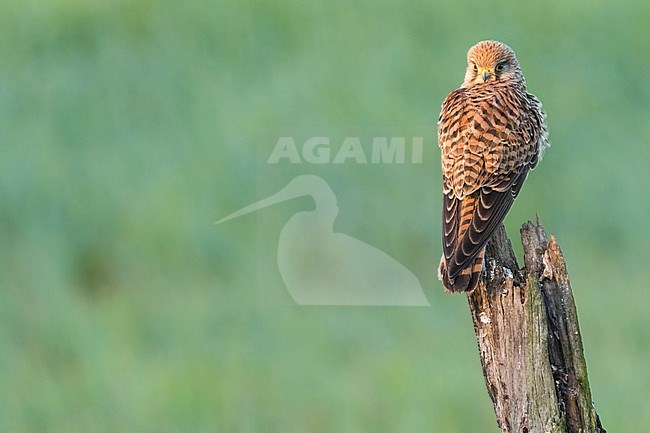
x: 492, y: 61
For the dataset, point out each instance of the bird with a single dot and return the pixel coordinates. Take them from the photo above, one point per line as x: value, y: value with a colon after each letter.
x: 491, y: 133
x: 322, y: 267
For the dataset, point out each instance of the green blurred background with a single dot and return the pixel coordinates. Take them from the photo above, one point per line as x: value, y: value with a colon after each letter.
x: 128, y: 128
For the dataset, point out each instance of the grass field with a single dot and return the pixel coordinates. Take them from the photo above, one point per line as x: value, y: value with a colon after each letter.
x: 128, y: 128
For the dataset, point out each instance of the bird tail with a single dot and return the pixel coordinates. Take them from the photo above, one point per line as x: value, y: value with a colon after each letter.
x: 466, y: 280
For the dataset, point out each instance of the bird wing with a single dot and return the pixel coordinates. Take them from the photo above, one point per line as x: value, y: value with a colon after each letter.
x: 488, y: 208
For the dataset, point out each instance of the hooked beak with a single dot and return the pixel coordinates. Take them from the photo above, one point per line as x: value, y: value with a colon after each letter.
x: 486, y: 73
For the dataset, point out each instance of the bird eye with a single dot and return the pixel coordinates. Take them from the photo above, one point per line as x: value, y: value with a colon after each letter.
x: 500, y: 67
x: 475, y: 67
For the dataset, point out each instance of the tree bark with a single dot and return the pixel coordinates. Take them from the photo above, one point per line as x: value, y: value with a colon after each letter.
x: 529, y: 340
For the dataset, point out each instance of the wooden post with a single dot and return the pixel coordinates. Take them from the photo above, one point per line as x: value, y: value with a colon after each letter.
x: 528, y: 338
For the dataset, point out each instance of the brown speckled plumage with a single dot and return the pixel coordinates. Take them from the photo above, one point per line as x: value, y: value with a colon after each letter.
x: 491, y: 132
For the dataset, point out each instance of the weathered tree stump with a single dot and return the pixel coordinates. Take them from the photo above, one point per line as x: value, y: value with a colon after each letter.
x: 529, y: 340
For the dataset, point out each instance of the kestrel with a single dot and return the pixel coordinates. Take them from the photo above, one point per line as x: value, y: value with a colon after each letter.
x: 491, y: 131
